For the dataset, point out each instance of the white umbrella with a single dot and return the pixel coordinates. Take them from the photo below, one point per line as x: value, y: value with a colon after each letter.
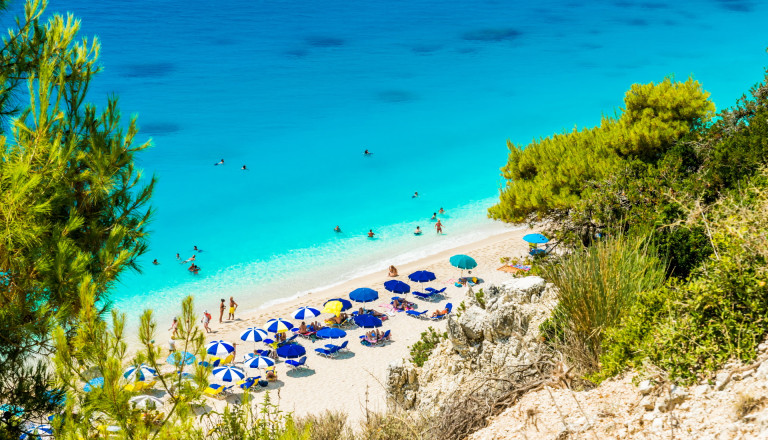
x: 145, y: 401
x: 228, y: 374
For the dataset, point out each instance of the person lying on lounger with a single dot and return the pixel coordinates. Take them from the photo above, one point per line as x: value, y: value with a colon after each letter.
x: 303, y: 328
x: 271, y: 374
x: 339, y: 319
x: 439, y: 313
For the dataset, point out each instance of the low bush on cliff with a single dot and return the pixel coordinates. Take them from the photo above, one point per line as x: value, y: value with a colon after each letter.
x: 421, y: 350
x: 594, y: 288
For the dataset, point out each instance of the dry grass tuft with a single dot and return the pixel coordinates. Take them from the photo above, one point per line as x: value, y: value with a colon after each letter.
x: 746, y: 404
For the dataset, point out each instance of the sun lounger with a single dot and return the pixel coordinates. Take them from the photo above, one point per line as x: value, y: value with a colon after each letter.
x: 435, y: 291
x: 248, y: 382
x: 325, y: 352
x: 301, y: 363
x: 213, y: 361
x: 387, y: 336
x: 425, y: 296
x: 217, y: 391
x: 416, y: 314
x: 448, y: 307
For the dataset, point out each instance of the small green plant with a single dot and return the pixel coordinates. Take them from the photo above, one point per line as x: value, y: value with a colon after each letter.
x: 480, y: 297
x: 421, y: 350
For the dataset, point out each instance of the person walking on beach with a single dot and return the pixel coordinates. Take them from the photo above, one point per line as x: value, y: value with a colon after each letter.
x: 174, y: 328
x: 206, y: 320
x: 439, y: 227
x: 232, y: 308
x: 222, y: 306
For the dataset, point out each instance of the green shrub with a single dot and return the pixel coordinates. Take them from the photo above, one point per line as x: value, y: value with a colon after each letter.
x: 595, y: 288
x: 328, y: 425
x: 480, y: 297
x: 421, y: 350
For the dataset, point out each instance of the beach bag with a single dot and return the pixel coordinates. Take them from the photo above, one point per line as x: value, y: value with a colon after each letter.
x: 208, y: 315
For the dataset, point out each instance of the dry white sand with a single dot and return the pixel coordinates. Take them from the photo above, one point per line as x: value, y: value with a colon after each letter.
x: 355, y: 380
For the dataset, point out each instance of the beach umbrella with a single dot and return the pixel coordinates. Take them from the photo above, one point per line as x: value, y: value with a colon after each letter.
x: 463, y: 262
x: 180, y: 358
x: 93, y: 384
x: 306, y: 313
x: 367, y: 321
x: 331, y: 333
x: 259, y: 362
x: 253, y: 334
x: 291, y: 351
x: 345, y: 304
x: 278, y: 325
x: 37, y: 431
x: 397, y: 286
x: 141, y: 372
x: 228, y: 373
x: 364, y: 295
x: 145, y: 402
x: 219, y: 348
x: 14, y: 410
x: 422, y: 276
x: 536, y: 239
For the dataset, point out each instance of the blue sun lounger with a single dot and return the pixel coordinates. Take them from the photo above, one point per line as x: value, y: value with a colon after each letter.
x: 427, y: 296
x: 416, y: 314
x: 301, y: 363
x: 448, y: 307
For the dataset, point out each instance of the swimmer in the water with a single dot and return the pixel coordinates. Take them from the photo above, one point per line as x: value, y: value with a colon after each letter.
x: 155, y: 262
x: 221, y: 162
x: 177, y: 256
x: 417, y: 231
x: 337, y: 229
x: 367, y: 153
x: 189, y: 259
x: 441, y: 210
x: 194, y: 268
x: 434, y: 216
x: 244, y: 168
x: 370, y: 233
x: 196, y: 249
x: 415, y: 194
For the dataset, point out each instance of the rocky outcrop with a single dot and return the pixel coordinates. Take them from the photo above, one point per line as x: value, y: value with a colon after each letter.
x: 489, y: 336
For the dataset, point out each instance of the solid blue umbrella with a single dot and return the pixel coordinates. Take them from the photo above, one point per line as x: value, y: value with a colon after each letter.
x: 12, y: 409
x: 291, y: 351
x: 253, y: 334
x: 536, y: 239
x: 306, y: 313
x: 141, y: 372
x: 219, y: 348
x: 278, y: 325
x: 397, y: 286
x: 228, y: 374
x: 180, y: 358
x: 346, y: 304
x: 259, y: 362
x: 367, y: 321
x: 422, y: 276
x: 93, y: 384
x: 364, y: 294
x: 331, y: 333
x: 463, y: 262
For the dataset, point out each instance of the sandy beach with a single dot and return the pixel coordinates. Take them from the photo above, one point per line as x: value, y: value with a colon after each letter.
x: 354, y: 380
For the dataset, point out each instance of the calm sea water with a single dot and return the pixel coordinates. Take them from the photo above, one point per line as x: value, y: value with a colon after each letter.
x: 297, y: 90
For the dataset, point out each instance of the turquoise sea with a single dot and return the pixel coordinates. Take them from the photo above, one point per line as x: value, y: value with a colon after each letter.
x: 297, y: 90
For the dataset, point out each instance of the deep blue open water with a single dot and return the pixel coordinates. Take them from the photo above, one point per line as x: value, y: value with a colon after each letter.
x: 297, y: 90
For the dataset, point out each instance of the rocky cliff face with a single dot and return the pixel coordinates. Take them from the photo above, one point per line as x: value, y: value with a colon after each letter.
x: 490, y: 337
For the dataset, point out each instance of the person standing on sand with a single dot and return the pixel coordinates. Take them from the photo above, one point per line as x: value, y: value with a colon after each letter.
x: 222, y: 306
x: 439, y: 227
x: 232, y: 308
x: 206, y: 320
x: 174, y: 328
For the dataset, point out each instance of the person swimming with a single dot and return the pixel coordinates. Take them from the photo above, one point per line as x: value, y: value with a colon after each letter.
x: 370, y: 233
x: 417, y: 231
x: 221, y: 162
x: 441, y: 210
x: 189, y: 259
x: 367, y: 153
x: 434, y: 216
x: 337, y: 229
x: 244, y: 168
x: 155, y: 262
x: 415, y: 194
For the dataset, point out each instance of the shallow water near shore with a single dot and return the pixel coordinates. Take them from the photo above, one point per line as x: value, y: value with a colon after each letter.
x: 298, y: 90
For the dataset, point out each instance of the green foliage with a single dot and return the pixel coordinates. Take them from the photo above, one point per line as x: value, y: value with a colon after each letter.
x: 328, y: 425
x: 594, y: 288
x: 248, y: 422
x: 720, y: 313
x: 480, y: 297
x: 549, y: 175
x: 421, y: 350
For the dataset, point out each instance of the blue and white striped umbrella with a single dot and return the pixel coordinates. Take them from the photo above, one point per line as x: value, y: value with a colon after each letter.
x: 259, y: 362
x: 219, y: 348
x: 37, y: 431
x: 142, y: 372
x: 253, y: 334
x: 306, y: 313
x: 228, y: 374
x: 278, y: 325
